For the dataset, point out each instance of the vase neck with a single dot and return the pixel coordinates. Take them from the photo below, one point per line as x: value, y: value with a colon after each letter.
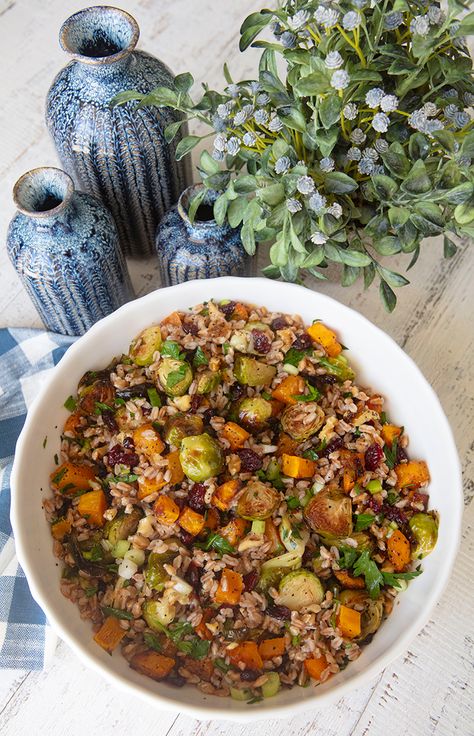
x: 203, y: 223
x: 100, y: 37
x: 43, y: 194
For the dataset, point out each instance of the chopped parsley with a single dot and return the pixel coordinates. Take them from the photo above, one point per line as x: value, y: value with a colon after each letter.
x: 221, y: 664
x: 391, y: 453
x: 393, y: 578
x: 226, y: 347
x: 175, y: 377
x: 152, y: 641
x: 392, y: 497
x: 100, y: 407
x: 127, y: 478
x: 45, y: 441
x: 117, y: 613
x: 154, y: 397
x: 363, y: 521
x: 118, y: 401
x: 94, y: 554
x: 347, y: 557
x: 56, y: 458
x: 294, y: 357
x: 172, y: 349
x: 255, y: 699
x: 59, y: 476
x: 383, y: 418
x: 200, y: 358
x: 311, y: 455
x: 312, y: 395
x: 70, y: 403
x: 90, y: 592
x: 218, y: 543
x: 195, y: 647
x: 266, y: 395
x: 293, y: 502
x: 373, y: 577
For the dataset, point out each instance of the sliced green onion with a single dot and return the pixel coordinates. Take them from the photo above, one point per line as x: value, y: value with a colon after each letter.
x: 237, y: 694
x: 290, y: 369
x: 272, y: 685
x: 374, y: 486
x: 70, y: 403
x: 258, y: 527
x: 120, y: 549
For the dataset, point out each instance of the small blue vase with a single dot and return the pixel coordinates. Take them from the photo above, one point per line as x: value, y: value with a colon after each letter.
x: 119, y: 153
x: 201, y: 249
x: 64, y: 246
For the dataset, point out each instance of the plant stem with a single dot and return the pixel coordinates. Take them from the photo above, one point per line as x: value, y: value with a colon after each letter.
x: 355, y: 46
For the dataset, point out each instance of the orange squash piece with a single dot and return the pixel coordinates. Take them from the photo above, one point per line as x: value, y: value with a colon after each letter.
x: 73, y: 422
x: 325, y: 337
x: 92, y: 506
x: 201, y: 629
x: 230, y: 587
x: 246, y: 653
x: 270, y: 648
x: 234, y: 531
x: 348, y: 621
x: 315, y: 666
x: 212, y: 519
x: 286, y: 444
x: 147, y: 486
x: 174, y: 466
x: 152, y: 664
x: 224, y: 494
x: 399, y: 550
x: 297, y: 467
x: 191, y: 521
x: 240, y: 312
x: 110, y: 634
x: 172, y: 319
x: 389, y: 432
x: 69, y: 478
x: 289, y: 388
x: 235, y: 435
x: 60, y: 528
x: 348, y: 581
x: 148, y: 442
x: 413, y: 473
x: 166, y: 510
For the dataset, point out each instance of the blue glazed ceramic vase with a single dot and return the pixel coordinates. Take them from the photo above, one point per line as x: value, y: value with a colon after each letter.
x: 201, y: 249
x: 117, y: 153
x: 64, y: 246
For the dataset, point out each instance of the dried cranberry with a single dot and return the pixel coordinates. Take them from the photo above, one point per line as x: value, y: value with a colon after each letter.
x: 332, y: 446
x: 321, y: 382
x: 401, y: 455
x: 109, y: 421
x: 193, y: 575
x: 196, y: 496
x: 118, y: 455
x: 250, y: 580
x: 392, y: 513
x: 282, y: 613
x: 279, y: 323
x: 261, y: 342
x: 175, y: 679
x: 187, y: 538
x: 227, y: 309
x: 250, y: 461
x: 190, y: 328
x: 373, y: 457
x: 420, y: 498
x: 302, y: 342
x: 129, y: 443
x: 374, y: 505
x: 195, y: 403
x: 207, y: 416
x: 250, y: 675
x: 236, y: 391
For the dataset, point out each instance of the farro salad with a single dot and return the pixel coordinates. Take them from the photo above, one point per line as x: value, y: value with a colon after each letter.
x: 232, y: 510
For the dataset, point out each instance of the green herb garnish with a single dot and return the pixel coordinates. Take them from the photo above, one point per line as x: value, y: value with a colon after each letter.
x: 175, y: 377
x: 217, y: 542
x: 154, y: 397
x: 294, y: 357
x: 311, y: 455
x: 373, y: 577
x: 90, y: 592
x: 117, y: 613
x: 172, y: 349
x: 393, y: 578
x: 45, y: 441
x: 293, y: 502
x: 221, y: 664
x: 226, y: 347
x: 347, y: 557
x: 363, y: 521
x: 59, y: 475
x: 200, y: 358
x: 56, y: 458
x: 391, y: 454
x: 118, y: 401
x: 100, y: 407
x: 94, y: 554
x: 152, y: 641
x: 127, y: 478
x: 70, y: 403
x: 312, y: 395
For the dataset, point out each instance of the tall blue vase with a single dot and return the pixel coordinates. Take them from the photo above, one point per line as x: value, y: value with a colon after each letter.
x: 64, y: 246
x: 200, y: 249
x: 117, y: 153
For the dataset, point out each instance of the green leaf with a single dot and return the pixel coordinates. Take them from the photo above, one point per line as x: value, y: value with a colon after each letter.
x: 247, y: 236
x: 325, y: 140
x: 446, y: 140
x: 272, y: 195
x: 208, y: 164
x: 186, y: 145
x: 467, y: 26
x: 350, y: 274
x: 183, y: 82
x: 152, y: 641
x: 172, y: 129
x: 373, y: 577
x: 314, y: 258
x: 414, y: 259
x: 295, y: 241
x: 349, y: 257
x: 396, y: 161
x: 363, y: 521
x: 161, y: 97
x: 117, y: 613
x: 418, y: 146
x: 460, y: 194
x: 153, y: 397
x: 70, y: 403
x: 387, y: 296
x: 467, y: 148
x: 398, y: 216
x: 339, y: 183
x: 393, y: 578
x: 428, y: 218
x: 316, y: 83
x: 235, y: 211
x: 369, y: 275
x: 200, y: 357
x: 384, y: 186
x: 196, y: 200
x: 293, y: 118
x: 171, y: 349
x: 220, y: 209
x: 417, y: 180
x: 245, y: 184
x: 217, y: 542
x: 387, y: 246
x: 391, y: 277
x: 329, y: 110
x: 175, y: 377
x: 449, y: 248
x: 124, y: 97
x: 401, y: 66
x: 464, y: 214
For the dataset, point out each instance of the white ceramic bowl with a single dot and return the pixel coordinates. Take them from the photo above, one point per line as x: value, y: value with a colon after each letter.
x: 379, y: 362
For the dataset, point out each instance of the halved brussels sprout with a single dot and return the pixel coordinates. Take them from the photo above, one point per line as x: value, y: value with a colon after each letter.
x: 294, y: 539
x: 175, y: 376
x: 254, y: 413
x: 122, y: 526
x: 371, y: 613
x: 180, y: 426
x: 100, y: 391
x: 243, y: 340
x: 363, y: 540
x: 301, y: 421
x: 253, y: 372
x: 155, y: 573
x: 273, y: 570
x: 300, y: 589
x: 425, y: 530
x: 338, y: 367
x: 145, y: 344
x: 207, y: 381
x: 330, y: 511
x: 201, y: 457
x: 159, y: 613
x: 258, y: 501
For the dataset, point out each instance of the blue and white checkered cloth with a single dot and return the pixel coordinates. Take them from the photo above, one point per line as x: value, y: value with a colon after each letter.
x: 26, y: 358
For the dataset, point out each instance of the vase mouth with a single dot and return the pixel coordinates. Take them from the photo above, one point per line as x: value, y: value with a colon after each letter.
x: 100, y: 34
x: 43, y: 192
x: 204, y: 215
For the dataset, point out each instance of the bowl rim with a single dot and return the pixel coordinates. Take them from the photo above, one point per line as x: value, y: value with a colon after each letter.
x: 206, y: 712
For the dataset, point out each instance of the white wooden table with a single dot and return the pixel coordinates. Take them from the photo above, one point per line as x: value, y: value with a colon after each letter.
x: 428, y: 691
